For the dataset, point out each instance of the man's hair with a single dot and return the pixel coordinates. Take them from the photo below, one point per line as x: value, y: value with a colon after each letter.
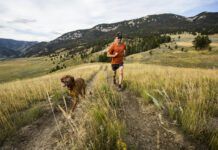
x: 119, y: 35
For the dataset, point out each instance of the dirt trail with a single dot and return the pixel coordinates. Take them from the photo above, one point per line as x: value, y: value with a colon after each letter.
x: 44, y: 132
x: 146, y: 129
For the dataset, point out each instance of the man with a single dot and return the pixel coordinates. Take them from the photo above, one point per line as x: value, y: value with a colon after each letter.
x: 117, y: 52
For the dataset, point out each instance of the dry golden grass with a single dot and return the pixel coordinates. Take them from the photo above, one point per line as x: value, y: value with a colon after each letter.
x: 189, y: 44
x: 186, y: 44
x: 186, y: 39
x: 20, y: 95
x: 190, y: 96
x: 214, y: 44
x: 100, y: 127
x: 20, y: 68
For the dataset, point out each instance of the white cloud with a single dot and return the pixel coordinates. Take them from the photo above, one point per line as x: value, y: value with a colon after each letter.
x: 47, y: 19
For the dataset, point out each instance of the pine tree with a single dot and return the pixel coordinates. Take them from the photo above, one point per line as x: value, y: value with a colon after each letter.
x: 201, y: 41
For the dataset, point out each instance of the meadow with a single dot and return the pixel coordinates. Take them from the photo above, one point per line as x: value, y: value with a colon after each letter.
x: 185, y: 95
x: 20, y: 68
x: 20, y: 100
x: 180, y: 53
x: 24, y: 68
x: 188, y: 96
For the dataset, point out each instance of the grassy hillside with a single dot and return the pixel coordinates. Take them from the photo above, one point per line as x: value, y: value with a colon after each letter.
x: 180, y: 53
x: 20, y: 68
x: 23, y: 68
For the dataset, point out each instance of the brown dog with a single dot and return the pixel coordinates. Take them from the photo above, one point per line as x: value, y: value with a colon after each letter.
x: 75, y: 87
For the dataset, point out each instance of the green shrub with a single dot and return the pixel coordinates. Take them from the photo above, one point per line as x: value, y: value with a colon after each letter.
x: 201, y: 41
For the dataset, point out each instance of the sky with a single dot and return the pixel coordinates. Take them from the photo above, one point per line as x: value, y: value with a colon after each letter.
x: 45, y: 20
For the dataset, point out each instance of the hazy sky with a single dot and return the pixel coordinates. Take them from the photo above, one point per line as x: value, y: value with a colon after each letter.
x: 44, y: 20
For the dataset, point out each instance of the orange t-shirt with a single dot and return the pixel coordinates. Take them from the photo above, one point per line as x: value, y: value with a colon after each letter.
x: 117, y: 48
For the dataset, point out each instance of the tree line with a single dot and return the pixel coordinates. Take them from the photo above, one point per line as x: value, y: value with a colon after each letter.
x: 140, y: 44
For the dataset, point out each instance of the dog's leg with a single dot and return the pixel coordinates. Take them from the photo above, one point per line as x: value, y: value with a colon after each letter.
x: 74, y: 105
x: 83, y: 92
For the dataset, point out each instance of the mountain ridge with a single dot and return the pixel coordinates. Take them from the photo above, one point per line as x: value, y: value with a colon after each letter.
x: 204, y: 22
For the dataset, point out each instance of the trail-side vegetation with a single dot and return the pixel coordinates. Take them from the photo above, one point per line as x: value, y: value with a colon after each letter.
x: 100, y: 126
x: 20, y: 100
x: 189, y: 96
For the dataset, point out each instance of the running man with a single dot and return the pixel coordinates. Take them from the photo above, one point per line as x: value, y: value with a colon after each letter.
x: 117, y: 52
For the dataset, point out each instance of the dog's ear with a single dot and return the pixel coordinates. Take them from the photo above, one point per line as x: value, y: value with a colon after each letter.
x: 62, y: 79
x: 72, y: 80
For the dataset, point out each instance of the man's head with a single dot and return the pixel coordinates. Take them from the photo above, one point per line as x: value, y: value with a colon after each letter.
x: 119, y: 36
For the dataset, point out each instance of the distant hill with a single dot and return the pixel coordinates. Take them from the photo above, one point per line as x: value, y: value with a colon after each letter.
x: 36, y: 49
x: 6, y: 52
x: 13, y: 48
x: 205, y: 22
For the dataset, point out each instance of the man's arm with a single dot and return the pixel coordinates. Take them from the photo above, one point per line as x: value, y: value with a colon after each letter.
x: 110, y: 51
x: 111, y: 55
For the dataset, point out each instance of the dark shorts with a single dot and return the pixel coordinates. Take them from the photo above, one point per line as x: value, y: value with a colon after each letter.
x: 116, y: 66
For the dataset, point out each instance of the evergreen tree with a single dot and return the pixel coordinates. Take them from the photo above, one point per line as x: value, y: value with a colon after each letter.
x: 201, y: 41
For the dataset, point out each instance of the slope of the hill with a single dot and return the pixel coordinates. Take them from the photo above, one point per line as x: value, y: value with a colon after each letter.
x: 181, y: 53
x: 13, y: 48
x: 6, y: 52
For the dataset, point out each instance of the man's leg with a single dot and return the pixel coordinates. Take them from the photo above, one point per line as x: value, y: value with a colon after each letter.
x: 114, y: 76
x: 121, y: 76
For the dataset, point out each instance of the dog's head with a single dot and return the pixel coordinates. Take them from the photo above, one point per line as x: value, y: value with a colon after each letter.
x: 68, y: 81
